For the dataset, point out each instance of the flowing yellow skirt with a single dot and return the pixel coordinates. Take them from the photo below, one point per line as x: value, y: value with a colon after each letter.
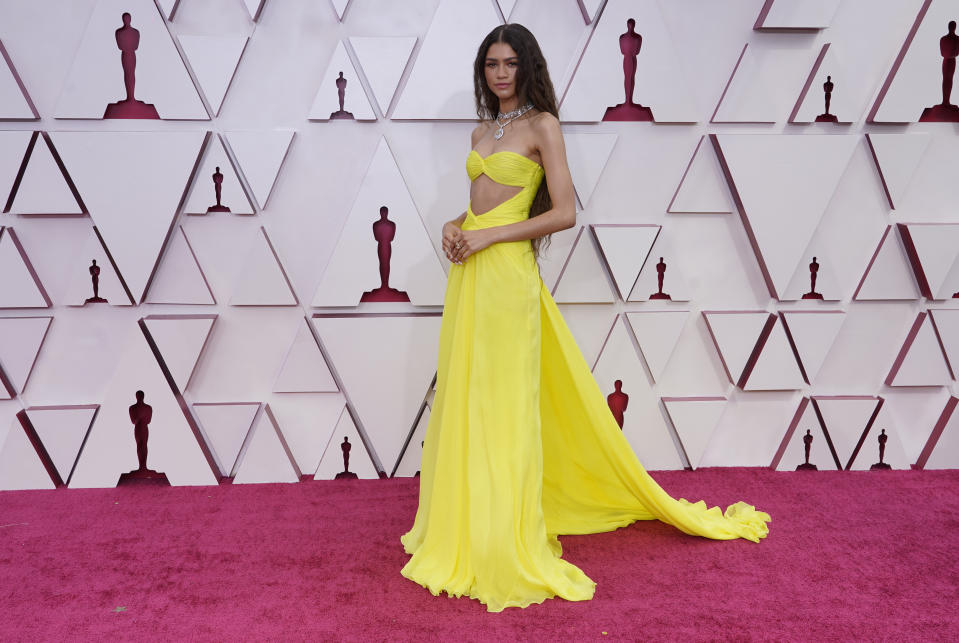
x: 521, y: 446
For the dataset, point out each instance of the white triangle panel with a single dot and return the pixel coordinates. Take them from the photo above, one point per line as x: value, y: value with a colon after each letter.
x: 441, y: 55
x: 20, y: 465
x: 132, y: 183
x: 264, y: 457
x: 589, y: 8
x: 409, y: 464
x: 331, y: 462
x: 384, y: 364
x: 694, y: 419
x: 897, y: 156
x: 625, y: 248
x: 659, y: 82
x: 202, y: 194
x: 776, y: 368
x: 813, y: 334
x: 172, y: 447
x: 942, y: 449
x: 254, y: 8
x: 327, y: 101
x: 583, y: 279
x: 96, y: 77
x: 15, y: 103
x: 260, y: 155
x: 889, y: 276
x: 168, y: 8
x: 935, y: 252
x: 307, y: 422
x: 13, y: 147
x: 180, y: 339
x: 80, y: 285
x: 643, y: 422
x: 305, y: 370
x: 702, y: 190
x: 588, y: 153
x: 846, y: 104
x: 20, y: 287
x: 792, y: 452
x: 662, y: 255
x: 179, y: 278
x: 846, y: 419
x: 20, y: 342
x: 784, y: 184
x: 788, y: 14
x: 921, y: 361
x: 43, y: 187
x: 354, y: 268
x: 590, y: 325
x: 884, y: 428
x: 735, y: 333
x: 225, y: 426
x: 746, y: 98
x: 946, y: 323
x: 62, y: 430
x: 506, y: 6
x: 340, y: 6
x: 383, y: 60
x: 214, y: 60
x: 657, y: 332
x: 914, y: 83
x: 262, y: 281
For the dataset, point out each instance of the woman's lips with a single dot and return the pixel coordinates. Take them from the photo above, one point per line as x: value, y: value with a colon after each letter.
x: 502, y: 85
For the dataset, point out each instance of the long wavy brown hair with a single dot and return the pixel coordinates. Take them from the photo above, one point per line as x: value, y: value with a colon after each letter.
x: 533, y: 85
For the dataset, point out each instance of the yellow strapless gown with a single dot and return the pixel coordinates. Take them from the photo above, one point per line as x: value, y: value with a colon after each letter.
x: 521, y: 445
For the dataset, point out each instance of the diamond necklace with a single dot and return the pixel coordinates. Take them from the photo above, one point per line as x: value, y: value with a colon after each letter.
x: 510, y: 116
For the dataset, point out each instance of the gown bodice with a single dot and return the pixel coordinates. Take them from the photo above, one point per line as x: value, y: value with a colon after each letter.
x: 506, y: 168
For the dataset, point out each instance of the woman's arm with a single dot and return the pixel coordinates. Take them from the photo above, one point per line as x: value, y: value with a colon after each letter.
x: 561, y: 216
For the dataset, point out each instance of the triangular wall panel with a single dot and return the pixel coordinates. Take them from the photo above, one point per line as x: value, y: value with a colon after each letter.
x: 20, y: 286
x: 133, y: 184
x: 43, y: 187
x: 625, y: 249
x: 96, y: 78
x: 583, y: 279
x: 326, y: 104
x: 354, y: 269
x: 260, y: 155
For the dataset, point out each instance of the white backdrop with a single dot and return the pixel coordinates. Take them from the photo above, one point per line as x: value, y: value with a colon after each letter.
x: 247, y: 334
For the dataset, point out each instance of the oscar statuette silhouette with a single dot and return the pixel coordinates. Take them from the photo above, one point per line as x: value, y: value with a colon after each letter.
x: 218, y: 190
x: 826, y: 117
x: 345, y: 447
x: 383, y: 231
x: 95, y: 277
x: 881, y: 466
x: 946, y: 111
x: 660, y: 276
x: 141, y: 415
x: 630, y: 43
x: 128, y: 40
x: 341, y: 92
x: 813, y: 271
x: 807, y: 444
x: 618, y: 401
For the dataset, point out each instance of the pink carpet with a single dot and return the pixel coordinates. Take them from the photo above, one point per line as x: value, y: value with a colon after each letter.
x: 866, y: 556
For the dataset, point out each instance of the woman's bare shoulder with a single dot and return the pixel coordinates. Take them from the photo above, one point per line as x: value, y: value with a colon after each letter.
x: 478, y: 132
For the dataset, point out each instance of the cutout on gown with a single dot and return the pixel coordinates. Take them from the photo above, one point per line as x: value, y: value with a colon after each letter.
x: 511, y: 190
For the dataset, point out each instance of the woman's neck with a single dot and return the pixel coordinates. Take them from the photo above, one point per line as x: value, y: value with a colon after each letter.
x: 508, y: 105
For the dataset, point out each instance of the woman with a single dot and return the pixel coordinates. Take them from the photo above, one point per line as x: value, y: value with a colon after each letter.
x: 521, y: 445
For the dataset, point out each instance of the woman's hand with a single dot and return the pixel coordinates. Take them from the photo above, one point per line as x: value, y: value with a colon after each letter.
x: 451, y: 234
x: 469, y: 242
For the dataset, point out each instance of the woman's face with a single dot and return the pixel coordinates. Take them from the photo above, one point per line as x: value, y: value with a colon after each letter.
x: 501, y: 65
